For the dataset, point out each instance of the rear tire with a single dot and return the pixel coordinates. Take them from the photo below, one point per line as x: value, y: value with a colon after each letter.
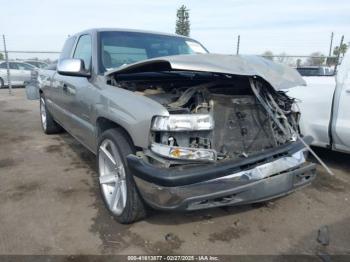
x: 48, y: 124
x: 2, y: 84
x: 118, y: 188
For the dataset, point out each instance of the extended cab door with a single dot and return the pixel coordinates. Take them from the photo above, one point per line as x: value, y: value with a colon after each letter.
x: 341, y: 108
x: 52, y: 85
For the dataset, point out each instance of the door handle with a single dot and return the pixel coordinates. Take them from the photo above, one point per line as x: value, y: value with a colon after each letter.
x: 65, y: 88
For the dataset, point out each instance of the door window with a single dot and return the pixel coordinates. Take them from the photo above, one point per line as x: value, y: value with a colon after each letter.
x: 83, y: 50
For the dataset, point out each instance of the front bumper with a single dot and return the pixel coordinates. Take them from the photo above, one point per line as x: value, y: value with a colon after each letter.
x: 264, y: 176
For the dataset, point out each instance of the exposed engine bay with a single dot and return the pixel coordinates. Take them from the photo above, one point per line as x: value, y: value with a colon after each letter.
x: 213, y: 117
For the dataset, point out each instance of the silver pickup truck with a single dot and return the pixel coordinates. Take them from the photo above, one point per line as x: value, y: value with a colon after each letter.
x: 174, y: 127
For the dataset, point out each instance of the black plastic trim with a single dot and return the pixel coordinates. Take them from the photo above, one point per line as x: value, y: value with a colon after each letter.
x: 184, y: 175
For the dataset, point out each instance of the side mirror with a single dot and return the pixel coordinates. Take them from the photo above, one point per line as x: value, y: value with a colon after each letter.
x: 72, y: 67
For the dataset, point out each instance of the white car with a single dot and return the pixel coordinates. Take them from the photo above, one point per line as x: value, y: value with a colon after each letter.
x: 324, y: 105
x: 20, y: 73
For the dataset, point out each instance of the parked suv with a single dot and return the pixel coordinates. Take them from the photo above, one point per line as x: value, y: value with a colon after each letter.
x: 172, y: 126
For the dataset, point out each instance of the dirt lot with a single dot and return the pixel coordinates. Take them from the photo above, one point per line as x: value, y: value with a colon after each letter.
x: 50, y: 204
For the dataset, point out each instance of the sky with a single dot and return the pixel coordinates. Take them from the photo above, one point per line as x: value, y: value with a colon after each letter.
x: 296, y: 27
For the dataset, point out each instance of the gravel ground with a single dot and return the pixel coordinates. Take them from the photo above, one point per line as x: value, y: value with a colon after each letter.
x: 50, y: 204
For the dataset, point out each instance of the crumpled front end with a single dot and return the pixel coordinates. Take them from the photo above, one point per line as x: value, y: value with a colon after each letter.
x: 228, y: 139
x: 262, y: 177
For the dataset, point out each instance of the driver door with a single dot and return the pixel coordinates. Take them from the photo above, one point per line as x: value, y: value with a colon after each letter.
x: 78, y: 94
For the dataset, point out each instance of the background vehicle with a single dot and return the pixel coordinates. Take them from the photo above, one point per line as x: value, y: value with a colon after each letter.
x: 173, y: 128
x: 20, y: 73
x: 324, y: 104
x: 315, y: 71
x: 37, y: 64
x: 39, y: 77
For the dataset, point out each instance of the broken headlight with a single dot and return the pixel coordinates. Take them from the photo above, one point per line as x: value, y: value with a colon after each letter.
x: 184, y: 122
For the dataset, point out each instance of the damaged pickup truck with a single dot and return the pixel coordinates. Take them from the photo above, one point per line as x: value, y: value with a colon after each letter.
x: 174, y: 127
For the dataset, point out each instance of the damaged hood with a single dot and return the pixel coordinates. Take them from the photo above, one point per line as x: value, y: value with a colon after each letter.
x: 279, y: 76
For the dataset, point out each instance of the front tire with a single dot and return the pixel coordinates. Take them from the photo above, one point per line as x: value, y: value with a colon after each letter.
x: 2, y: 83
x: 118, y: 188
x: 48, y: 124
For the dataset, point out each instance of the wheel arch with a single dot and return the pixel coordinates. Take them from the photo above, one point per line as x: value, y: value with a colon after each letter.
x: 103, y: 124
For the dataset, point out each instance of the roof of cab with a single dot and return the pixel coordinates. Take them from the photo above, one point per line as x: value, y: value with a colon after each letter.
x: 95, y: 30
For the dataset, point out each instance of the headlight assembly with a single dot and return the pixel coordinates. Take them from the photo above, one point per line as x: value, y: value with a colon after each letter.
x: 184, y: 153
x: 184, y: 122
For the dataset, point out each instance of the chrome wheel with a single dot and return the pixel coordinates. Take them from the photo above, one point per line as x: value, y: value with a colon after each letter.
x: 43, y: 113
x: 112, y: 177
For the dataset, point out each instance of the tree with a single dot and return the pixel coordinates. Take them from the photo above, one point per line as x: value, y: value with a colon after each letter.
x: 183, y: 21
x: 1, y: 56
x: 331, y: 60
x: 268, y: 55
x: 340, y: 50
x: 299, y: 61
x: 283, y: 58
x: 316, y: 59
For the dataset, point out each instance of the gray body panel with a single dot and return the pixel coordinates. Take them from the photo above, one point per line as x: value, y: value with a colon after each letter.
x: 79, y: 107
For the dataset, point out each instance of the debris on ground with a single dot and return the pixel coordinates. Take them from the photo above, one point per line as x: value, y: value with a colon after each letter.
x: 236, y: 222
x: 170, y: 237
x: 323, y: 235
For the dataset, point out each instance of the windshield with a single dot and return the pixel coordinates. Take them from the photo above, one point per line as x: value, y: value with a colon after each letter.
x: 120, y: 48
